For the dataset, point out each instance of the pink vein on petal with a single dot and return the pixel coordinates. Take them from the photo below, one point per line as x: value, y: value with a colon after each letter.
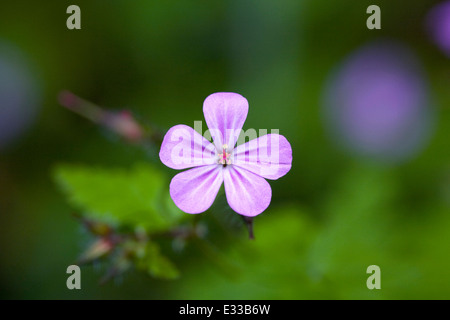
x: 194, y: 190
x: 225, y: 114
x: 183, y: 147
x: 247, y: 193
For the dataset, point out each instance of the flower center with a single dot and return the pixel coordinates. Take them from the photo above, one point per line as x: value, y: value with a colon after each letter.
x: 224, y: 157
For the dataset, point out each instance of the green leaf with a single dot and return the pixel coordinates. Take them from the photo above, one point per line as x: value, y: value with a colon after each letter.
x: 136, y: 198
x: 149, y: 259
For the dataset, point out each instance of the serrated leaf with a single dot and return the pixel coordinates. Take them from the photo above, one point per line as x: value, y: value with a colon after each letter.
x: 136, y: 198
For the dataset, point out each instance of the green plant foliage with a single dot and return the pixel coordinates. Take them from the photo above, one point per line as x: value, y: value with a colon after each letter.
x: 366, y: 223
x: 357, y: 232
x: 273, y: 266
x: 148, y: 258
x: 135, y: 198
x: 361, y: 223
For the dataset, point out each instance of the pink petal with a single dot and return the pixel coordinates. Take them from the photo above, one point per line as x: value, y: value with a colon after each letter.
x: 194, y: 190
x: 183, y: 147
x: 269, y: 156
x: 225, y: 114
x: 247, y: 193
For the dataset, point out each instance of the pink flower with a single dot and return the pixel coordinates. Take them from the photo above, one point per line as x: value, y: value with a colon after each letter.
x: 438, y: 25
x: 243, y: 169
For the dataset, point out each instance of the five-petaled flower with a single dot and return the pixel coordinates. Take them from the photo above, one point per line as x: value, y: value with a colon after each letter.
x: 243, y: 169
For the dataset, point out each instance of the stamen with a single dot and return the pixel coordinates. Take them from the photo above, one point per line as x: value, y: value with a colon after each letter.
x: 224, y: 158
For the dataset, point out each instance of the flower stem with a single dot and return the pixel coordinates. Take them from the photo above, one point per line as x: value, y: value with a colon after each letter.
x: 249, y: 223
x: 121, y: 122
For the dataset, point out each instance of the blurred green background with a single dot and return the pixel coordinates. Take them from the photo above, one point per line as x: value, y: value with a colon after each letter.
x: 333, y: 215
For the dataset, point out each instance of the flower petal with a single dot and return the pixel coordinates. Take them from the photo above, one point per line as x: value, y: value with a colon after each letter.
x: 194, y: 190
x: 225, y: 114
x: 269, y: 156
x: 247, y: 193
x: 183, y: 147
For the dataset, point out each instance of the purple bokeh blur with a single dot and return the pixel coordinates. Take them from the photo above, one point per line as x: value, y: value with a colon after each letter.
x: 438, y: 26
x: 19, y: 95
x: 377, y: 103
